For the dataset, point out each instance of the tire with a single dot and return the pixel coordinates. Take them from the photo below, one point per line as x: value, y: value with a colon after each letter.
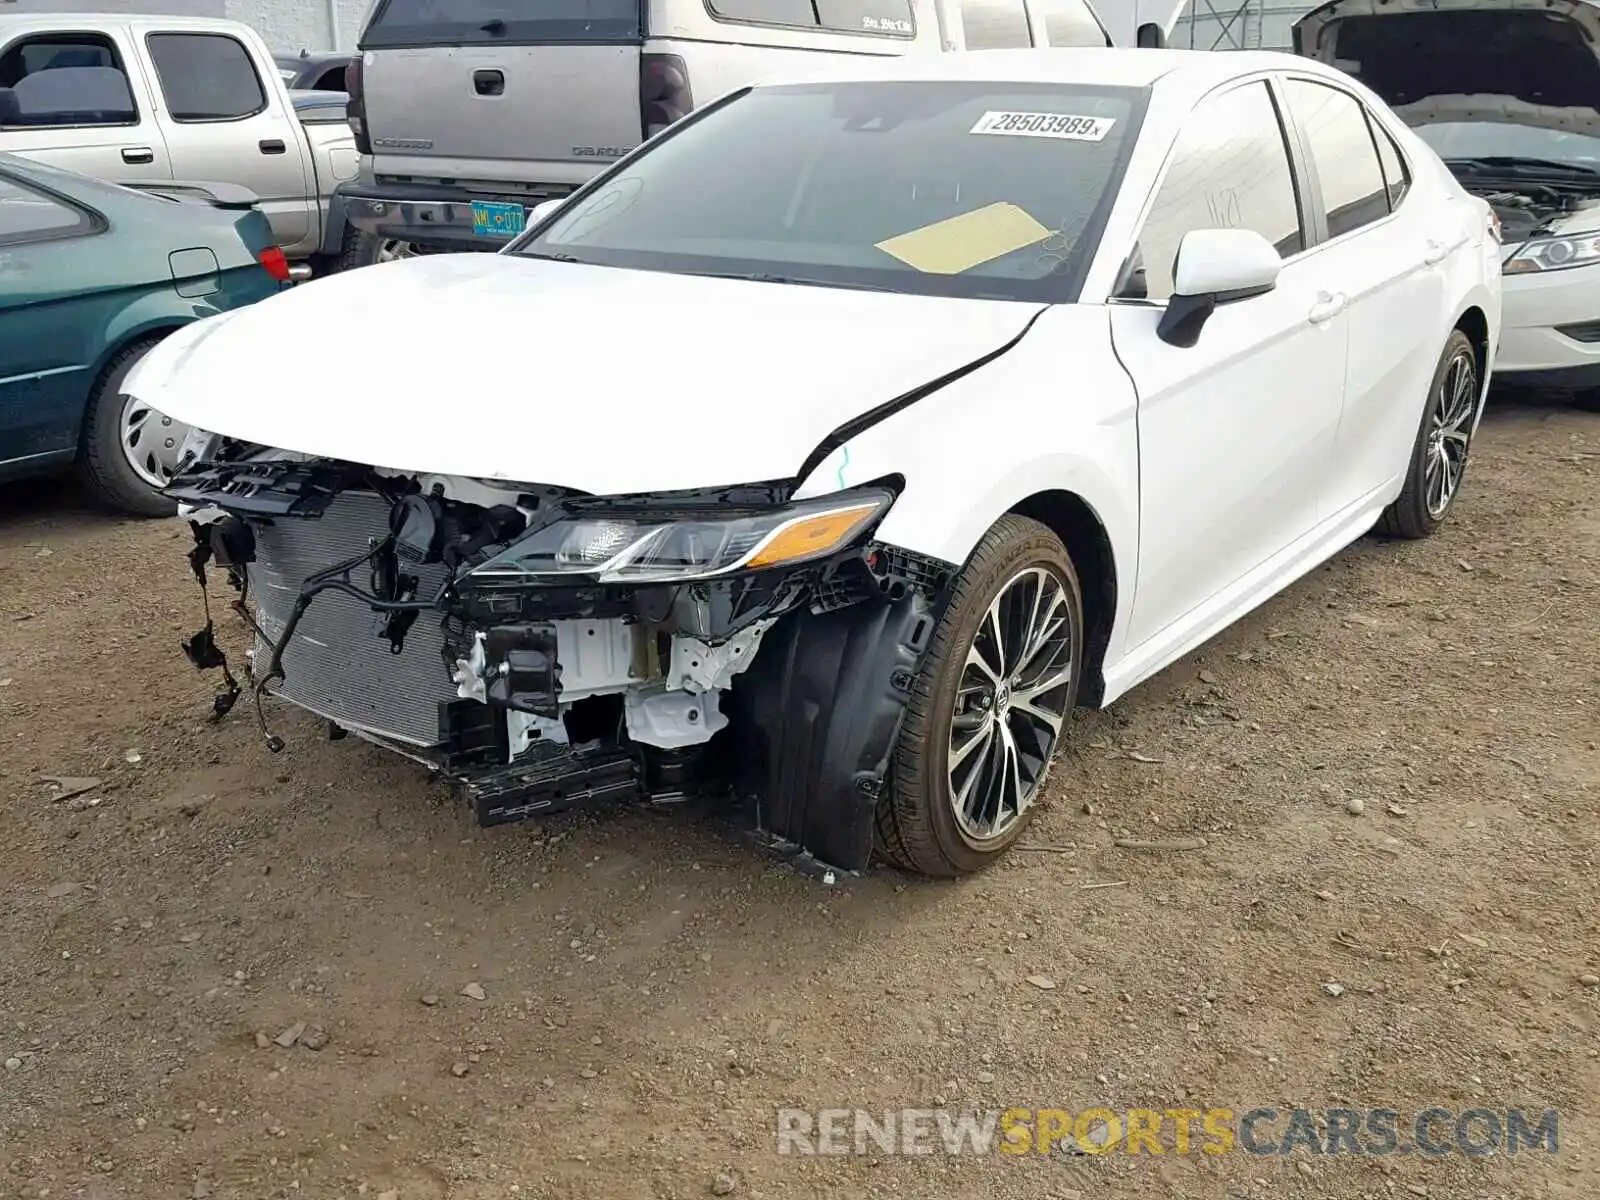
x: 103, y: 464
x: 360, y: 249
x: 1443, y: 441
x: 918, y: 827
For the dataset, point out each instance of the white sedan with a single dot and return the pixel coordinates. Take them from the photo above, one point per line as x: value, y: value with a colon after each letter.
x: 825, y: 452
x: 1506, y: 94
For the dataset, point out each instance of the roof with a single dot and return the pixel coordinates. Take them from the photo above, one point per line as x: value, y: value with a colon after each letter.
x: 1107, y: 67
x: 88, y: 21
x: 311, y: 57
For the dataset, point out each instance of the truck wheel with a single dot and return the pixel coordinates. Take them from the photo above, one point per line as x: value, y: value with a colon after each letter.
x: 128, y: 448
x: 361, y: 249
x: 986, y: 712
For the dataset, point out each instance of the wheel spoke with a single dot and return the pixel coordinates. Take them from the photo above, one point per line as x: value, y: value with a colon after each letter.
x: 980, y: 735
x: 1026, y: 700
x: 992, y: 629
x: 1042, y: 629
x: 980, y: 803
x: 1010, y: 796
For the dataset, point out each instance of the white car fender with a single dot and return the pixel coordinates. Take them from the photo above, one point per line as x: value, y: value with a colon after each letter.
x: 1055, y: 413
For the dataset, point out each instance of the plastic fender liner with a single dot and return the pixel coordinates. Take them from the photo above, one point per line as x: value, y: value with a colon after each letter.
x: 817, y: 714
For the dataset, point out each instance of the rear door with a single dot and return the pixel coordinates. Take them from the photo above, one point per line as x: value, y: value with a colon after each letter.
x: 76, y: 98
x: 224, y: 121
x: 492, y: 91
x: 50, y: 295
x: 1383, y: 258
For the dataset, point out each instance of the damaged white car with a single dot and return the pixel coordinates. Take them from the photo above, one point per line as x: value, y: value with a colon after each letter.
x: 824, y: 453
x: 1508, y: 94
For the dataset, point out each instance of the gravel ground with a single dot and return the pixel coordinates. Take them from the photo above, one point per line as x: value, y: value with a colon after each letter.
x: 1393, y: 767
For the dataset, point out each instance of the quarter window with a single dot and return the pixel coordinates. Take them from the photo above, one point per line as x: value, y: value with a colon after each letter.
x: 1335, y: 127
x: 1229, y: 170
x: 1069, y: 23
x: 206, y: 77
x: 64, y: 80
x: 28, y: 215
x: 1395, y: 176
x: 995, y: 24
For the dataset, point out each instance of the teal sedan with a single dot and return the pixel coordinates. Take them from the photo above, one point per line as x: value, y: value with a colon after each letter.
x: 92, y: 275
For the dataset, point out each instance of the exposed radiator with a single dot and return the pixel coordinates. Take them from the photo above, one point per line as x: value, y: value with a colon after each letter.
x: 337, y: 664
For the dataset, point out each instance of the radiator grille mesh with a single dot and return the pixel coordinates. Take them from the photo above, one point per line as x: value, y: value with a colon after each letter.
x: 337, y: 664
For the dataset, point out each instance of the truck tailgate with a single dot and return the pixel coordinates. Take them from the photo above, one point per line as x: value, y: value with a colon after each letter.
x: 494, y: 112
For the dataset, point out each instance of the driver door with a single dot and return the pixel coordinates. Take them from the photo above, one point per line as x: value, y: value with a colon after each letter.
x: 1236, y: 432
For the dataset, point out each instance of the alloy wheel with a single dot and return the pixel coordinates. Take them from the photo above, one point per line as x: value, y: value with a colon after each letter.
x: 1010, y: 703
x: 393, y: 249
x: 1449, y: 433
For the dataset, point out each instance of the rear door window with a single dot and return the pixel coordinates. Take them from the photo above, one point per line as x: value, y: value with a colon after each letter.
x: 64, y: 79
x: 206, y: 77
x: 472, y: 22
x: 1335, y: 127
x: 995, y: 25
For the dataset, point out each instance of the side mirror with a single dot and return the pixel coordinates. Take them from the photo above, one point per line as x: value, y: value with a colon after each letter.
x: 1215, y: 266
x: 543, y: 209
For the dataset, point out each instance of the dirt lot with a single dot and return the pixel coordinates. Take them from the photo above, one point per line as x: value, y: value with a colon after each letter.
x: 652, y: 989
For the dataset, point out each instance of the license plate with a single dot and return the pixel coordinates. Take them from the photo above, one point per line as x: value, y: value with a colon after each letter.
x: 496, y: 220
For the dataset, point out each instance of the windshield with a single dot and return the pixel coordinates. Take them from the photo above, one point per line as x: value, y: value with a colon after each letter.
x: 1497, y: 140
x: 930, y: 187
x: 463, y: 22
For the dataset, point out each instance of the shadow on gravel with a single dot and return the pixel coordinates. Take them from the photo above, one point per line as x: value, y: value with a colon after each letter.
x: 48, y: 505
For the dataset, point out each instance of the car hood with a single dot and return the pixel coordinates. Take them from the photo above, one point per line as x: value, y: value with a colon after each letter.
x: 1429, y: 62
x: 592, y: 378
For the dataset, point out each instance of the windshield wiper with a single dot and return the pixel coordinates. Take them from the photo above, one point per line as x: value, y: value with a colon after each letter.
x: 1519, y: 167
x: 551, y: 256
x: 764, y: 277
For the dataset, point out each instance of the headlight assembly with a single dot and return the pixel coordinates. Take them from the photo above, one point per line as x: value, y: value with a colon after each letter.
x: 1555, y: 254
x: 662, y: 547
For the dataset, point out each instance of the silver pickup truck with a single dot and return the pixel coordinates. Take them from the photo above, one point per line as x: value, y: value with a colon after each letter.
x: 136, y: 99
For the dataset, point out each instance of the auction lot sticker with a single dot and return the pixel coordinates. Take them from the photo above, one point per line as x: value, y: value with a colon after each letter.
x: 1045, y: 125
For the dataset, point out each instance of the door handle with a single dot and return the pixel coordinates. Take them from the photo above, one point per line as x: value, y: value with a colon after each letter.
x: 138, y: 154
x: 271, y: 145
x: 489, y: 82
x: 1435, y: 251
x: 1328, y: 306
